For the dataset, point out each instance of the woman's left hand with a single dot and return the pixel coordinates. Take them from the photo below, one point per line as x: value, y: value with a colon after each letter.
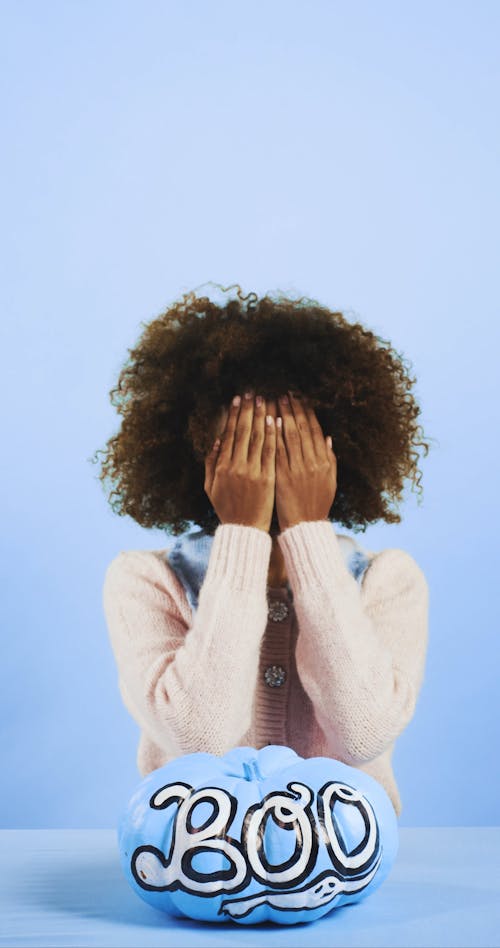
x: 306, y: 466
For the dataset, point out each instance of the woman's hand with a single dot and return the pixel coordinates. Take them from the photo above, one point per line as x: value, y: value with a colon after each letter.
x: 306, y: 466
x: 240, y: 474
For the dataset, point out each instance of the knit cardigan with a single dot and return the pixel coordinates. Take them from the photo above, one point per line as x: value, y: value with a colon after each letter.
x: 202, y: 644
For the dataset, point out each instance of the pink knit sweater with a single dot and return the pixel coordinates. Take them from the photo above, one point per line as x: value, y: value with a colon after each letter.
x: 326, y: 665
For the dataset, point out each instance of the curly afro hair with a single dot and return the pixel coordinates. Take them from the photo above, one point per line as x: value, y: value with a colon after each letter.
x: 192, y: 358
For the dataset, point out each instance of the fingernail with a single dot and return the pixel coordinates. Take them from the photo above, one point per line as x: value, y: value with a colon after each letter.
x: 236, y: 400
x: 248, y: 394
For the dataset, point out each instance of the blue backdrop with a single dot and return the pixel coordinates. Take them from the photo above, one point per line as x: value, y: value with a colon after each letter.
x: 343, y: 151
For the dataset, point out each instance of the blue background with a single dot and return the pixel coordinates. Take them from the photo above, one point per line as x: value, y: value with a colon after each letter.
x: 348, y: 152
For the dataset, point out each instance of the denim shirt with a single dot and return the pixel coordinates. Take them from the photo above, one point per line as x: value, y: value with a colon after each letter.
x: 189, y: 553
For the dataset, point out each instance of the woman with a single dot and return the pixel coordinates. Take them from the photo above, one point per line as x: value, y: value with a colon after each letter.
x: 265, y: 625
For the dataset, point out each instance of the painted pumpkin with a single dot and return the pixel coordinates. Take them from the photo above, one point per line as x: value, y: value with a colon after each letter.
x: 257, y: 836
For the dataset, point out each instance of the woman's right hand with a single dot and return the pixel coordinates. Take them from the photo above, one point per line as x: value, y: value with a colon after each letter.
x: 240, y: 473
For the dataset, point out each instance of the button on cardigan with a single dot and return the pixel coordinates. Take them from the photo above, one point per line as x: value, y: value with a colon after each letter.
x: 210, y: 657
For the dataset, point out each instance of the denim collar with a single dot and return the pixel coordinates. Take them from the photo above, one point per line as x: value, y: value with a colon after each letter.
x: 189, y: 553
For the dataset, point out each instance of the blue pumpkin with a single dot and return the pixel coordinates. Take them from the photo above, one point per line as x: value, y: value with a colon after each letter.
x: 257, y: 836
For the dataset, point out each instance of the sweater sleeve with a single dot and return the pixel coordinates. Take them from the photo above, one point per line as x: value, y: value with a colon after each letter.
x: 361, y: 650
x: 190, y: 684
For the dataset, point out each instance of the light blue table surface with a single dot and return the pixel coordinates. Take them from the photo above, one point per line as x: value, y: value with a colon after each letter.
x: 66, y: 887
